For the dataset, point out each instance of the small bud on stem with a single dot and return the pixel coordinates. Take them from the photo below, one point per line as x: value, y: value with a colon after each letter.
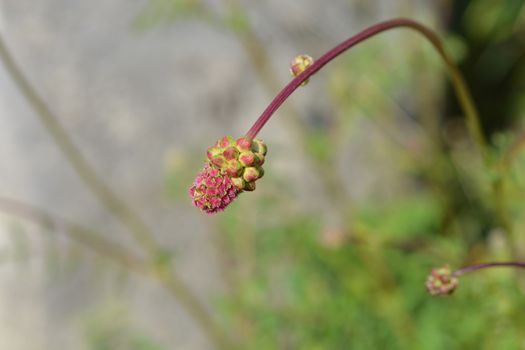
x: 299, y: 65
x: 442, y: 281
x: 227, y: 150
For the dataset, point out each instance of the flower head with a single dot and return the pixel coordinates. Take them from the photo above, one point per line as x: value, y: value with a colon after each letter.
x: 232, y: 167
x: 441, y: 281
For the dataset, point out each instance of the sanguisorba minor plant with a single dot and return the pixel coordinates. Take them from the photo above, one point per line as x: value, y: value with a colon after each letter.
x: 234, y: 165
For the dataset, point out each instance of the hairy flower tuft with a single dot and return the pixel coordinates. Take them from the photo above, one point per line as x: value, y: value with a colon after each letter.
x: 212, y: 191
x: 441, y: 281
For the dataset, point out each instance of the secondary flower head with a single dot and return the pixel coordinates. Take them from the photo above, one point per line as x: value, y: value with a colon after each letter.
x: 232, y: 167
x: 299, y: 65
x: 441, y: 281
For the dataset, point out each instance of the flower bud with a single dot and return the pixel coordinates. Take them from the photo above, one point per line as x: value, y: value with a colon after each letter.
x: 218, y: 161
x: 299, y: 65
x: 258, y: 146
x: 250, y: 174
x: 230, y: 153
x: 238, y: 182
x: 249, y: 186
x: 212, y: 152
x: 247, y: 158
x: 233, y: 168
x: 441, y: 281
x: 226, y: 141
x: 261, y: 172
x: 243, y: 144
x: 258, y: 159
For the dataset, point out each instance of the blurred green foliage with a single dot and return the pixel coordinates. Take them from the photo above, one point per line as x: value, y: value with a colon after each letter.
x: 302, y: 293
x: 494, y: 65
x: 108, y: 327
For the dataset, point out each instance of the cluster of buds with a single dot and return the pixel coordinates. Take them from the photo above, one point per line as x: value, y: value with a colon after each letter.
x: 232, y: 167
x: 299, y: 65
x: 441, y: 281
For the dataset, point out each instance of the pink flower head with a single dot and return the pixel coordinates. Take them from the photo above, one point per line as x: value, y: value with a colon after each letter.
x: 212, y: 190
x: 232, y: 167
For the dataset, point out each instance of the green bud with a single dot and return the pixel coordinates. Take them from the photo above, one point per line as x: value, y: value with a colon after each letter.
x: 218, y: 161
x: 247, y: 158
x: 226, y: 141
x: 238, y: 182
x: 212, y: 152
x: 299, y: 65
x: 250, y: 174
x: 230, y: 153
x: 261, y: 172
x: 233, y: 168
x: 249, y: 186
x: 258, y: 146
x: 258, y: 160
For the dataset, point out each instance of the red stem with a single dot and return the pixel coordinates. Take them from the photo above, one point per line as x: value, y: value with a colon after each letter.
x: 462, y: 271
x: 336, y: 51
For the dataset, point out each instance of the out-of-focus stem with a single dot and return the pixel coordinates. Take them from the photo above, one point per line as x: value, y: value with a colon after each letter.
x: 84, y: 170
x: 114, y: 252
x: 87, y: 237
x: 472, y: 268
x: 136, y: 227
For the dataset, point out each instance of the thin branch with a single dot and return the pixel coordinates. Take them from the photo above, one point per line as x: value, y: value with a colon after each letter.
x: 114, y: 252
x: 472, y: 268
x: 459, y: 84
x: 84, y: 170
x: 87, y: 237
x: 114, y: 204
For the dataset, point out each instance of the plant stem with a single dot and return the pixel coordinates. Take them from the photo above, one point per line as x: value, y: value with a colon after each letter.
x: 89, y: 238
x: 458, y: 82
x: 114, y: 252
x: 84, y: 170
x: 472, y: 268
x: 261, y: 62
x: 113, y: 203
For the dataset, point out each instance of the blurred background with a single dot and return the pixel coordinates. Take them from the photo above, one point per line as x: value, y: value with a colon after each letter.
x: 371, y: 177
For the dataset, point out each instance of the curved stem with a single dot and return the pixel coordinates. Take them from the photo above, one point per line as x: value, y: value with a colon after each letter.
x: 135, y: 225
x: 261, y: 62
x: 458, y: 82
x: 472, y: 268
